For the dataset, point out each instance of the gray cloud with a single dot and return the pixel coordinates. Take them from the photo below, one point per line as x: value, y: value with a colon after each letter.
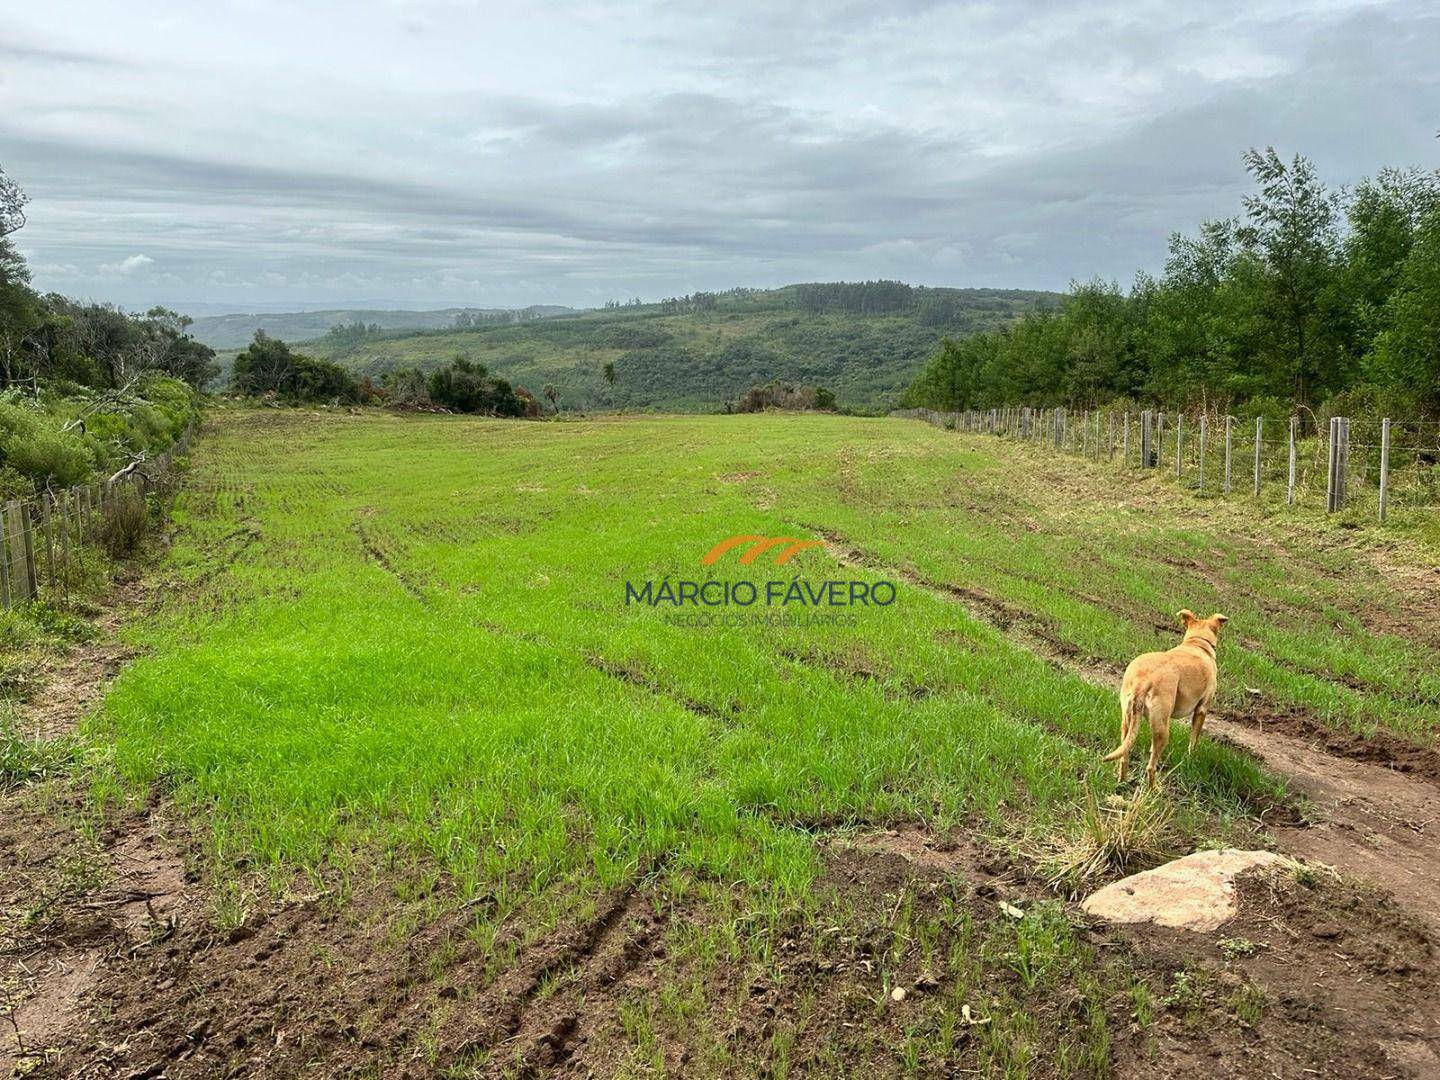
x: 437, y: 154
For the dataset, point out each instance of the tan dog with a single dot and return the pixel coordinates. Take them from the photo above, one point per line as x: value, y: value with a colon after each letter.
x: 1162, y: 685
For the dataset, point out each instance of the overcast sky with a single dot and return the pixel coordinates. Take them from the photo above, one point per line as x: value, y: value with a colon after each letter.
x: 424, y: 154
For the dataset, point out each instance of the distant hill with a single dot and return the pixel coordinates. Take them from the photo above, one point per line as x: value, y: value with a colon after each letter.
x: 864, y: 341
x: 236, y: 331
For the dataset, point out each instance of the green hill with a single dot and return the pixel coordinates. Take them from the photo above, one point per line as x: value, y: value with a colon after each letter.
x: 865, y: 341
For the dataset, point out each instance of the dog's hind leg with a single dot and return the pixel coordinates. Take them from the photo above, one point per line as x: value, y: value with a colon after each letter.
x: 1129, y: 729
x: 1159, y: 739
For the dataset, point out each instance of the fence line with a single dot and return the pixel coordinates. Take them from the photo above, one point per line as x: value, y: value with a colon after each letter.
x: 1391, y: 464
x: 42, y: 539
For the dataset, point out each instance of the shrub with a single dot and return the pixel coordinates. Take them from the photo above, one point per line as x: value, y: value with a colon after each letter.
x: 469, y: 388
x: 268, y: 366
x: 782, y: 395
x: 47, y: 457
x: 123, y: 523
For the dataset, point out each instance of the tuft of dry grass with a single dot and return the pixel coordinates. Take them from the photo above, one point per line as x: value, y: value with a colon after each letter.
x: 1119, y: 836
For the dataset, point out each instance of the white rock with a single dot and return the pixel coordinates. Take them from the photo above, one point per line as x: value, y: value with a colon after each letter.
x: 1193, y: 893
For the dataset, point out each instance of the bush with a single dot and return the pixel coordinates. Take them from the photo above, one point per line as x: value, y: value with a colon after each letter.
x: 268, y: 366
x: 47, y: 457
x: 123, y: 524
x: 469, y: 388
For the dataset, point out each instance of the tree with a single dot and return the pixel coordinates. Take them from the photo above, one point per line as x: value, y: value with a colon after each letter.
x: 1407, y: 353
x: 268, y: 366
x: 165, y: 346
x: 1291, y: 229
x: 12, y: 205
x: 551, y: 394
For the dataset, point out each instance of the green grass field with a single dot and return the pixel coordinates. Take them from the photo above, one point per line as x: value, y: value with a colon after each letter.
x: 398, y: 648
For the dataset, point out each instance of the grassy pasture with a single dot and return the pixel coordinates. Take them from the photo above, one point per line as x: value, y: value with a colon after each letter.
x: 416, y: 627
x: 404, y: 640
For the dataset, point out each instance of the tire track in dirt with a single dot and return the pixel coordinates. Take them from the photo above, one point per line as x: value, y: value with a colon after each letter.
x: 632, y: 675
x: 545, y: 1030
x: 381, y: 558
x: 1366, y: 819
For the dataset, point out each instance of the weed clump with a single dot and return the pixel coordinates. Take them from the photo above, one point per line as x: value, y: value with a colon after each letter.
x: 24, y: 760
x: 1114, y: 839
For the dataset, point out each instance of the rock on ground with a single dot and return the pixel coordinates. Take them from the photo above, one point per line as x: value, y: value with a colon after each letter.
x: 1196, y: 892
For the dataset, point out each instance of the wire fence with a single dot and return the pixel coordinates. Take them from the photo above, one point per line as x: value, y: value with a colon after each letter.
x: 47, y: 541
x: 1380, y: 465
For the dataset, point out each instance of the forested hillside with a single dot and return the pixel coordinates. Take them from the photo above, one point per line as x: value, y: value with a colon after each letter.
x: 863, y: 341
x: 1307, y: 296
x: 237, y: 331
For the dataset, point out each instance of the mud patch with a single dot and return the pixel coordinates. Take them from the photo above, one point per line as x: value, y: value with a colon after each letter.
x: 42, y: 1005
x: 1380, y: 747
x: 1365, y: 819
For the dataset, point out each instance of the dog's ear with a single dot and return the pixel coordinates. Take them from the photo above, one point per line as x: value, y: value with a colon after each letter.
x: 1186, y: 617
x: 1219, y: 620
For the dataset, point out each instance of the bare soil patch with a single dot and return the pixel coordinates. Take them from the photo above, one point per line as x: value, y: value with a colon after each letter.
x: 1316, y: 976
x: 73, y: 684
x: 1364, y: 819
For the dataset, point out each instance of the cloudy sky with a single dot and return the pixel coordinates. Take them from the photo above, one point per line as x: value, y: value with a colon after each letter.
x: 424, y: 153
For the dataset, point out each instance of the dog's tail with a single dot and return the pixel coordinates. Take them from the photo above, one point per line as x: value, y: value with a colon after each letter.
x: 1132, y: 725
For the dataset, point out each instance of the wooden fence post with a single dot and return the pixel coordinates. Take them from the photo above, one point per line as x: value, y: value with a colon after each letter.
x: 1228, y: 420
x: 28, y: 546
x: 14, y: 554
x: 1290, y: 488
x: 1343, y: 487
x: 4, y: 565
x: 1179, y: 446
x: 1147, y: 425
x: 46, y: 528
x: 64, y: 504
x: 1159, y: 438
x: 1259, y: 427
x: 1384, y: 464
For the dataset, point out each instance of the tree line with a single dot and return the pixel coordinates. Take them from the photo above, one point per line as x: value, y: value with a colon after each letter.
x: 269, y: 368
x: 86, y: 389
x: 1307, y: 296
